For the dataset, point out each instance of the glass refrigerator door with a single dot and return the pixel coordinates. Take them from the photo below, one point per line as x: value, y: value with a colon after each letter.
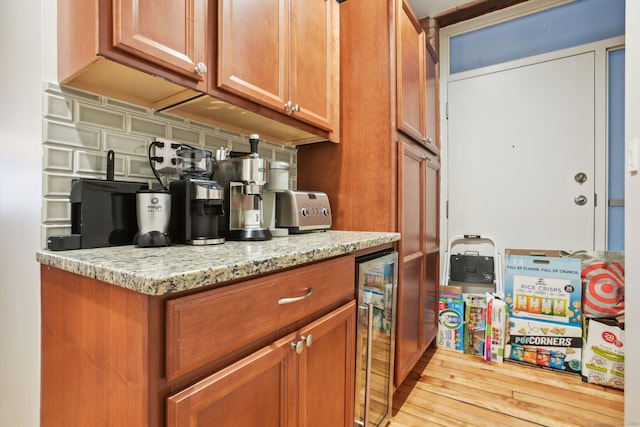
x: 377, y: 282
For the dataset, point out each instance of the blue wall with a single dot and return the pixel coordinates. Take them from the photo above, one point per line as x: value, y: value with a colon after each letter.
x: 572, y: 24
x: 615, y: 232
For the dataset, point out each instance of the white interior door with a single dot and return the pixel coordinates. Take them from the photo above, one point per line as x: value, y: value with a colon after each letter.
x: 518, y: 141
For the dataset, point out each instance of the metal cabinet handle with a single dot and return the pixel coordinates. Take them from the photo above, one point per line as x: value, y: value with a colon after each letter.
x: 308, y: 340
x: 201, y: 68
x: 294, y: 299
x: 367, y: 390
x: 297, y: 346
x: 289, y: 106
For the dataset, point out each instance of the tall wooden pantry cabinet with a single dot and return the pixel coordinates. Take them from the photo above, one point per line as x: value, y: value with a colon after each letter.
x: 383, y: 175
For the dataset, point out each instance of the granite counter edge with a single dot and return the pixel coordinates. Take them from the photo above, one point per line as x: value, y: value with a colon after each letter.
x: 188, y: 280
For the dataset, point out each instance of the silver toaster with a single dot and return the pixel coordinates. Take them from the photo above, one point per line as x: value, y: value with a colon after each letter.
x: 303, y: 211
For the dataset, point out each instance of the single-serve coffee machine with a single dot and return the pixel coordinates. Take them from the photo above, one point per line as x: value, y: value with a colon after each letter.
x: 197, y: 201
x: 243, y: 179
x: 153, y: 212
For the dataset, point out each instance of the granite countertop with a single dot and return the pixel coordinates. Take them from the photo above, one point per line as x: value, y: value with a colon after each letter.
x: 160, y: 271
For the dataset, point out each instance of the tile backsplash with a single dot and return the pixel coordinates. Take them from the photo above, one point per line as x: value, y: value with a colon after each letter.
x: 79, y: 128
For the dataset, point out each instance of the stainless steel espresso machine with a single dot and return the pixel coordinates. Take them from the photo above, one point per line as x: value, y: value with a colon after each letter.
x: 243, y: 180
x: 197, y: 200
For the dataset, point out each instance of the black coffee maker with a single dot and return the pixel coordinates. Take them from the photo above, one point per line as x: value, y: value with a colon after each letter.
x: 197, y: 201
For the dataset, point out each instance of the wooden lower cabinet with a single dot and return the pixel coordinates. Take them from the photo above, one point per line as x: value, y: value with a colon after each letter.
x: 276, y: 350
x: 258, y: 390
x: 418, y: 284
x: 303, y: 379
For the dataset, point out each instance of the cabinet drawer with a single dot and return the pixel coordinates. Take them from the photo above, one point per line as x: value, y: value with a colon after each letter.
x: 206, y: 326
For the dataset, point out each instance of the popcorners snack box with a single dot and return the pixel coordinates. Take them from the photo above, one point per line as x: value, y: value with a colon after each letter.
x: 546, y: 345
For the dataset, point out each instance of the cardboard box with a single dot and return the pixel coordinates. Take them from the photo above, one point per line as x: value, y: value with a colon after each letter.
x: 451, y: 318
x: 542, y: 285
x: 475, y: 323
x: 547, y: 345
x: 496, y: 329
x: 603, y: 356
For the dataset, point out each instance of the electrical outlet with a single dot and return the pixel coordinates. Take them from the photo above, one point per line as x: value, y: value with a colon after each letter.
x: 164, y: 156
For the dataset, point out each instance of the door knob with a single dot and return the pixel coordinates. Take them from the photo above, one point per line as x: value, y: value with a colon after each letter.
x: 580, y: 200
x: 580, y: 177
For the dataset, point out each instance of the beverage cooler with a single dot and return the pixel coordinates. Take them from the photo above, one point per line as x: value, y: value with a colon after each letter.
x: 377, y: 281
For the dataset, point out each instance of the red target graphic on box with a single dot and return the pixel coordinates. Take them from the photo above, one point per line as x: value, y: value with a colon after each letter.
x: 603, y: 289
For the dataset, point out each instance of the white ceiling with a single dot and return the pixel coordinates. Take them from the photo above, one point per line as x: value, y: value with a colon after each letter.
x: 431, y: 8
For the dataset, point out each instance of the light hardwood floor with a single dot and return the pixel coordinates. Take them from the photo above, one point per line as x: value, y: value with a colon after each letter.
x: 448, y: 388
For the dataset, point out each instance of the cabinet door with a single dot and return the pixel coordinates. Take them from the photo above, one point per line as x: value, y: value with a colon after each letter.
x: 432, y: 98
x: 168, y: 33
x: 314, y: 61
x: 409, y: 339
x: 430, y: 299
x: 409, y: 319
x: 411, y: 77
x: 432, y: 249
x: 253, y: 50
x: 259, y: 390
x: 327, y: 370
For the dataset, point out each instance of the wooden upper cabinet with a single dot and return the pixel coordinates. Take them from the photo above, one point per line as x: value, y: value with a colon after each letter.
x: 315, y: 65
x: 144, y: 52
x: 432, y: 98
x: 253, y: 49
x: 168, y: 33
x: 282, y: 54
x: 411, y: 76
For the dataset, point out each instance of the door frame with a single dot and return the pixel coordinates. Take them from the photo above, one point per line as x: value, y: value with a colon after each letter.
x: 600, y: 48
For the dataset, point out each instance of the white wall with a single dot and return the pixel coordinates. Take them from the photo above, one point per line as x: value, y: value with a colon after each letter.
x: 21, y: 75
x: 632, y: 219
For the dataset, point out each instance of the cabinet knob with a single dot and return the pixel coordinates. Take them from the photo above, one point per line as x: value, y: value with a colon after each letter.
x: 308, y: 340
x: 201, y: 68
x: 289, y: 106
x: 297, y: 346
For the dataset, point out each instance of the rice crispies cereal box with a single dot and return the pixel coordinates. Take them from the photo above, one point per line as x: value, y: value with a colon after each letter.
x: 542, y: 285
